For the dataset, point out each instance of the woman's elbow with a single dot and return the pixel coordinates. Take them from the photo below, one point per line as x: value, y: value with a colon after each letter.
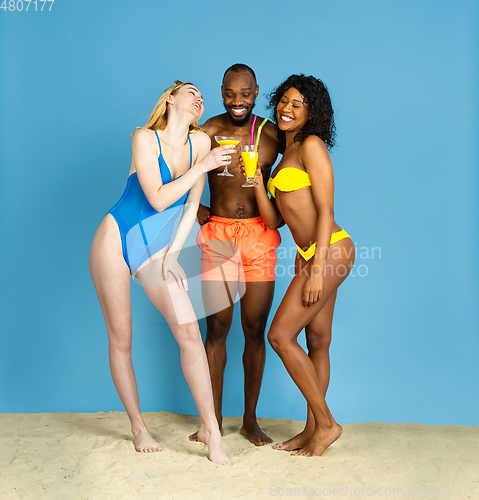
x: 157, y: 200
x: 326, y: 210
x: 272, y: 224
x: 158, y: 205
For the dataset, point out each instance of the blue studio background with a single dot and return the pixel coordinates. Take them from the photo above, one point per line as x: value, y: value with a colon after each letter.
x: 403, y: 78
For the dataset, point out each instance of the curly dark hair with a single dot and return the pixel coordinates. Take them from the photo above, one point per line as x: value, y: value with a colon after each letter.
x: 320, y: 110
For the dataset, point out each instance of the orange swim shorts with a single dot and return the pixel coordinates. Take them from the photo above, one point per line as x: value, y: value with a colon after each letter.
x: 237, y: 250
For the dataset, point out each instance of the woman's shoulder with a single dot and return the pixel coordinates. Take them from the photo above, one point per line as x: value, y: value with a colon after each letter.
x: 200, y: 138
x: 314, y: 153
x: 143, y: 132
x: 314, y: 146
x: 143, y: 137
x: 199, y: 135
x: 314, y: 142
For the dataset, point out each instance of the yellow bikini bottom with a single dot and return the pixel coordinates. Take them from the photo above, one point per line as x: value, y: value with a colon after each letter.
x: 339, y: 235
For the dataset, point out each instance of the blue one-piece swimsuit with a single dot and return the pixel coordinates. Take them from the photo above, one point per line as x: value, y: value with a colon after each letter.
x: 145, y: 231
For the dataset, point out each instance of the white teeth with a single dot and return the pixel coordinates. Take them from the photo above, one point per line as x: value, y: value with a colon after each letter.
x: 286, y: 118
x: 238, y: 111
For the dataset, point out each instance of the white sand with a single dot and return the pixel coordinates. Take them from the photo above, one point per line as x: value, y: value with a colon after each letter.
x: 91, y: 456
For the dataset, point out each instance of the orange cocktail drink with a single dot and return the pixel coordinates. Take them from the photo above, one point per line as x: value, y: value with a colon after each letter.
x: 249, y: 156
x: 226, y: 141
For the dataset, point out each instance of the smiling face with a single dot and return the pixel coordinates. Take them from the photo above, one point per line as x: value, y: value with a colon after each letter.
x: 188, y: 98
x: 239, y: 91
x: 291, y: 111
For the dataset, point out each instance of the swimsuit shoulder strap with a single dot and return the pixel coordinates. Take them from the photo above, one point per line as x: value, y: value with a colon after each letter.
x: 164, y: 169
x: 159, y: 143
x: 191, y: 150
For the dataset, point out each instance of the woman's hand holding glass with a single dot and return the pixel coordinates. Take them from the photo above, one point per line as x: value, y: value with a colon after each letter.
x: 217, y: 157
x: 258, y: 176
x: 226, y: 141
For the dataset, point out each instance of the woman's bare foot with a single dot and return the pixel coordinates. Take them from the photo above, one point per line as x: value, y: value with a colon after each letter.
x: 320, y: 440
x: 254, y: 434
x: 212, y: 439
x: 144, y: 443
x: 194, y: 437
x: 296, y: 442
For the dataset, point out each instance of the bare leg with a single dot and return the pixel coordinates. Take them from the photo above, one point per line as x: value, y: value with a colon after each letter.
x: 288, y: 322
x: 255, y: 307
x: 111, y: 277
x: 173, y: 302
x: 218, y: 326
x: 318, y: 340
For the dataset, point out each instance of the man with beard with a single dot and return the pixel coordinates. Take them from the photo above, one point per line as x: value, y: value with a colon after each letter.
x: 238, y: 250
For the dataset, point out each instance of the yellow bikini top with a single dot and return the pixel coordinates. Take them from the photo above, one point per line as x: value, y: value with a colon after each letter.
x: 288, y: 179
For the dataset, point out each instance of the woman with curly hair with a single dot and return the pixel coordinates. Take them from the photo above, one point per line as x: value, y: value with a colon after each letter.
x: 302, y: 190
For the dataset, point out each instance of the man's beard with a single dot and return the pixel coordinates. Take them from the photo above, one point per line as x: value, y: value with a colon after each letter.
x: 240, y: 122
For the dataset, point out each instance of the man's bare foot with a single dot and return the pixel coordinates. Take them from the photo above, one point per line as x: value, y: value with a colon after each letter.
x: 296, y: 442
x: 320, y: 440
x: 212, y: 439
x: 144, y: 443
x: 254, y: 434
x: 194, y: 437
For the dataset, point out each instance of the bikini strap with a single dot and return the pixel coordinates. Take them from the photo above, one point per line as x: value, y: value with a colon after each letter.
x: 159, y: 143
x: 191, y: 150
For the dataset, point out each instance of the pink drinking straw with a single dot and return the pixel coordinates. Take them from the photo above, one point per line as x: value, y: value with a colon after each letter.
x: 252, y: 130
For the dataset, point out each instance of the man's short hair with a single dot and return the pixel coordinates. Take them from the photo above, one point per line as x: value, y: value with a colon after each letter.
x: 236, y: 68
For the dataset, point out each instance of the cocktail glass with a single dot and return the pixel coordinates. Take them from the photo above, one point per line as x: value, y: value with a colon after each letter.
x: 226, y: 141
x: 249, y: 154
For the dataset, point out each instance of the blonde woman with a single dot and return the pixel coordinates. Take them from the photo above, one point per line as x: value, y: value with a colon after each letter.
x: 171, y: 156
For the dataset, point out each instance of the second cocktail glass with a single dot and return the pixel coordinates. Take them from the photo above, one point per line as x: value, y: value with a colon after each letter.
x: 249, y: 154
x: 226, y: 141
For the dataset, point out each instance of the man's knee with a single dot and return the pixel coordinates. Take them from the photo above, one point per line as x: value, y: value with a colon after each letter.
x: 218, y: 326
x: 253, y: 329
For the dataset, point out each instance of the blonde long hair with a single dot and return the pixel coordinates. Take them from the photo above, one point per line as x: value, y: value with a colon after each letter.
x: 159, y: 116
